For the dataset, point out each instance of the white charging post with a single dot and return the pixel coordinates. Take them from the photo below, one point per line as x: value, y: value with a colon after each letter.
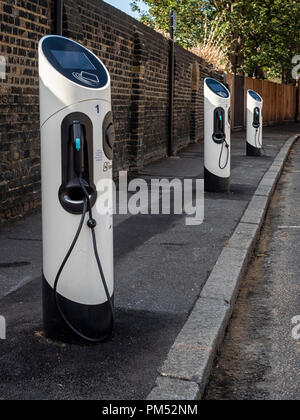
x: 77, y: 136
x: 254, y: 123
x: 217, y: 136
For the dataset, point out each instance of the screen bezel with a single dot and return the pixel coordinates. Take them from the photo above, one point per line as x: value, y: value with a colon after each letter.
x: 256, y: 96
x: 64, y: 44
x: 224, y: 89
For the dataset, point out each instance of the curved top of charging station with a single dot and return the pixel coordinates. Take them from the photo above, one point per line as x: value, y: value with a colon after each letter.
x: 255, y: 95
x: 75, y: 62
x: 217, y: 88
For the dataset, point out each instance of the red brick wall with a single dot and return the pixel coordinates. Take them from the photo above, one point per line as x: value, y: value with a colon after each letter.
x: 137, y: 58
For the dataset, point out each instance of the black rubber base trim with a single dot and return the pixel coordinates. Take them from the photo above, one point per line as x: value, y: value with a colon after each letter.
x: 94, y: 321
x: 213, y: 183
x: 253, y: 151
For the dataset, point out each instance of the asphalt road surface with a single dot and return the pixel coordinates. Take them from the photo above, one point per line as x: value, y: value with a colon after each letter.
x: 161, y: 266
x: 260, y: 358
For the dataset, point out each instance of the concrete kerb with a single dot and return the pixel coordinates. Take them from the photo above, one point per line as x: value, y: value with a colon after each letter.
x: 174, y: 389
x: 192, y: 355
x: 185, y: 373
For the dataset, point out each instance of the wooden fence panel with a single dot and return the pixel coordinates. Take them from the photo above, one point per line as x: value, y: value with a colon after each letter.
x: 280, y: 104
x: 273, y: 103
x: 286, y: 103
x: 298, y: 101
x: 266, y: 98
x: 280, y: 101
x: 293, y: 103
x: 258, y: 86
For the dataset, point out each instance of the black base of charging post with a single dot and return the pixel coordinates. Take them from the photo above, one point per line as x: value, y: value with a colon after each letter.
x: 253, y: 151
x: 90, y: 320
x: 216, y: 184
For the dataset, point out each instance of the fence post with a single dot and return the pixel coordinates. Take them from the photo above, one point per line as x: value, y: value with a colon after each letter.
x: 297, y: 116
x: 58, y: 17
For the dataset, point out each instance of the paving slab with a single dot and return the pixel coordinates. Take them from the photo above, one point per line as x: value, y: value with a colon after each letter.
x: 256, y: 210
x: 167, y: 389
x: 243, y: 236
x: 193, y: 352
x: 223, y: 283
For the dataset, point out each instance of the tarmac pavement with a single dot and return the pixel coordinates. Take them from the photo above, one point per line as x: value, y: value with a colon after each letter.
x: 161, y: 266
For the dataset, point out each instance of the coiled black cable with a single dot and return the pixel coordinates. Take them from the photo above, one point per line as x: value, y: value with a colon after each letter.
x: 224, y: 143
x: 92, y: 224
x: 258, y: 144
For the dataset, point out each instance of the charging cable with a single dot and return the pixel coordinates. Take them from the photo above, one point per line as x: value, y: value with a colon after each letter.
x: 224, y: 143
x: 92, y: 225
x: 258, y: 144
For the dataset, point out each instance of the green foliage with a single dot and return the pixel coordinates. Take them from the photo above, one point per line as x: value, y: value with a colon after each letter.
x: 259, y: 37
x: 190, y: 14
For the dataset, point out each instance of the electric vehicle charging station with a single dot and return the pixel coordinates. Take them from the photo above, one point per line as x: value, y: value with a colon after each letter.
x: 217, y: 136
x: 77, y: 136
x: 254, y: 123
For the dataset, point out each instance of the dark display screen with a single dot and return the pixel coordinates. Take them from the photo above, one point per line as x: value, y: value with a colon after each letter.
x: 73, y: 60
x: 217, y: 88
x: 255, y: 95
